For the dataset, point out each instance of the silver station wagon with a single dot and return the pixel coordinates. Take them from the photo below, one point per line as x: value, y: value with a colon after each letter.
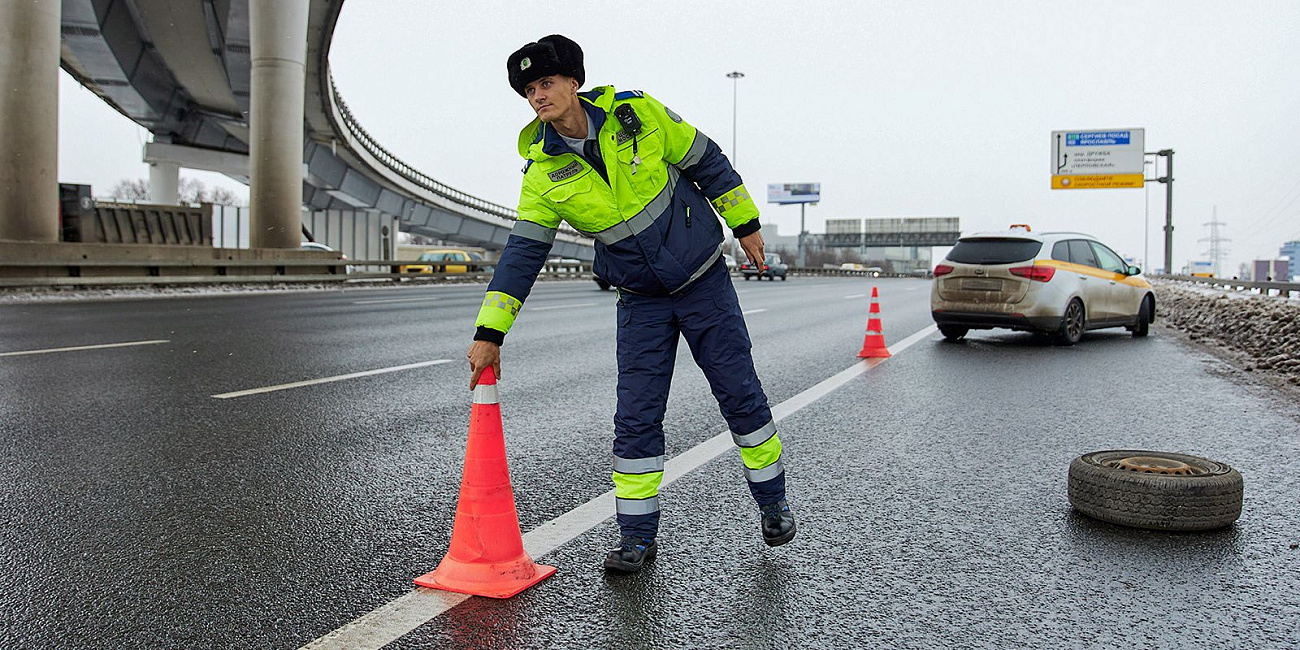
x: 1058, y: 283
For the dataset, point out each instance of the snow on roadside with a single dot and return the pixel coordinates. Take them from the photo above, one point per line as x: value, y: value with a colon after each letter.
x: 1263, y: 330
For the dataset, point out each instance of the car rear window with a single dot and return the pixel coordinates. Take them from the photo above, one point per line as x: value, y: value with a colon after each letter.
x: 993, y: 251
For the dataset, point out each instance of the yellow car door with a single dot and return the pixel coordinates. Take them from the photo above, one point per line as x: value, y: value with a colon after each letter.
x: 1122, y: 298
x: 458, y: 257
x: 1092, y: 281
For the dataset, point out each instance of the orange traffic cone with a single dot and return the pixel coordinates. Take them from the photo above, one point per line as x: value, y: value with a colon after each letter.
x: 873, y: 346
x: 487, y: 556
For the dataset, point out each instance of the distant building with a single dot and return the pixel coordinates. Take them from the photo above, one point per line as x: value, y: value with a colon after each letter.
x: 1291, y: 251
x: 1270, y: 271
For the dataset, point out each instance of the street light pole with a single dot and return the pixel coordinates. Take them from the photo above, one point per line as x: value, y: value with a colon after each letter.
x: 735, y: 82
x: 735, y: 77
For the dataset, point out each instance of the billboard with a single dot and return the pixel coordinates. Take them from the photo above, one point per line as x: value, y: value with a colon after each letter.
x: 794, y: 192
x: 1102, y: 159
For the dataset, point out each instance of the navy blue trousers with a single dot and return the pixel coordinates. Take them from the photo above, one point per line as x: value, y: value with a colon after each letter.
x: 707, y: 313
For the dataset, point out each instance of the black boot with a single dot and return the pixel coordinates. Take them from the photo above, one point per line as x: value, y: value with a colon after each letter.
x: 631, y: 554
x: 777, y: 523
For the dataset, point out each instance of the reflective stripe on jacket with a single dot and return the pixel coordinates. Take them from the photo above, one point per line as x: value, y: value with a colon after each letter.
x: 654, y: 226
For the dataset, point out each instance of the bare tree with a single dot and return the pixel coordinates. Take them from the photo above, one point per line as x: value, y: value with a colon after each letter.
x: 192, y: 190
x: 223, y: 196
x: 131, y: 190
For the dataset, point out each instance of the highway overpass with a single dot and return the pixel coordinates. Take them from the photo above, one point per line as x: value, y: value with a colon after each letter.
x: 185, y: 71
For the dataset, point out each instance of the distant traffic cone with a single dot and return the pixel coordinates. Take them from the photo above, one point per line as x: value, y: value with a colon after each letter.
x: 873, y: 346
x: 487, y: 556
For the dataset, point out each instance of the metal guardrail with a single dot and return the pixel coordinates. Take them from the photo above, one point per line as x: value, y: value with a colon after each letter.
x: 418, y: 178
x: 1284, y: 289
x: 95, y: 273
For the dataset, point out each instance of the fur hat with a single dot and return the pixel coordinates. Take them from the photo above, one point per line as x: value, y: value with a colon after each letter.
x: 550, y: 55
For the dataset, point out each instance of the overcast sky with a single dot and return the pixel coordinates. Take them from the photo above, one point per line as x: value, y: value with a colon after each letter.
x: 897, y: 109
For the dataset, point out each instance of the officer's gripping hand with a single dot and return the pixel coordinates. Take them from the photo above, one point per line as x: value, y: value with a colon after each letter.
x: 753, y: 245
x: 481, y: 355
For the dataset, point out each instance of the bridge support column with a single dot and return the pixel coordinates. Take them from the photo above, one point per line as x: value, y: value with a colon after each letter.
x: 278, y: 39
x: 29, y: 120
x: 164, y: 182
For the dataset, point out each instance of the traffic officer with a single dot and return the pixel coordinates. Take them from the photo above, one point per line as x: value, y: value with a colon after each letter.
x: 628, y: 171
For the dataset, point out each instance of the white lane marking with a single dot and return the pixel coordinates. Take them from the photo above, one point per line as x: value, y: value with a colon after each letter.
x: 400, y: 616
x: 752, y: 311
x: 83, y: 347
x: 550, y: 307
x: 376, y: 302
x: 326, y: 380
x: 856, y: 295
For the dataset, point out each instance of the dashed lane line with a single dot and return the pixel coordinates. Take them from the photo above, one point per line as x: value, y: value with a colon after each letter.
x: 404, y: 614
x: 326, y: 380
x: 387, y: 300
x: 84, y: 347
x: 572, y: 306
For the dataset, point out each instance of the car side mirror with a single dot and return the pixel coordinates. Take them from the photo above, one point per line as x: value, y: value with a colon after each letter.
x: 1133, y: 270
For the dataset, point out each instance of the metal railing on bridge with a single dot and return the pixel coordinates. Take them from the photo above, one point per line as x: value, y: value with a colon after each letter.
x: 116, y: 273
x: 1284, y: 289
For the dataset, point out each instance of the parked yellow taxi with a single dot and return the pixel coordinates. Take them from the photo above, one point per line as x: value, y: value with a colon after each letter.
x: 447, y: 260
x: 1059, y: 283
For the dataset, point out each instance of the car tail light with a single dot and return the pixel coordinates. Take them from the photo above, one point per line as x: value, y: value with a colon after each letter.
x: 1039, y: 273
x: 942, y: 269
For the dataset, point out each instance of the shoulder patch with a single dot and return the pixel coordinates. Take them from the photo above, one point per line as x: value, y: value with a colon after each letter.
x: 629, y: 94
x: 568, y: 171
x: 673, y: 116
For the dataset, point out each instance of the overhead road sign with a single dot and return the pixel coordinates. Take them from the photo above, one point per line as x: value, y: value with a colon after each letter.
x: 794, y: 192
x: 1104, y: 159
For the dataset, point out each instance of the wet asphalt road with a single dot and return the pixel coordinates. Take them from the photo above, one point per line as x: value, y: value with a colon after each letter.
x: 139, y: 511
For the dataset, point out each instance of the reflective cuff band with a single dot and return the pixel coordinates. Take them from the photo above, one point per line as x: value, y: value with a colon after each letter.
x: 731, y: 199
x: 534, y: 231
x: 503, y: 301
x: 698, y: 145
x: 756, y: 438
x: 486, y: 394
x: 766, y: 474
x: 637, y: 506
x: 638, y: 465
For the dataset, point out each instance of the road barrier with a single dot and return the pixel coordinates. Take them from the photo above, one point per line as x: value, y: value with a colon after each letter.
x: 1284, y: 289
x: 118, y: 272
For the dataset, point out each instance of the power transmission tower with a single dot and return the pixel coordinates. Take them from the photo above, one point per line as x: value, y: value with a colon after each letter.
x: 1218, y: 243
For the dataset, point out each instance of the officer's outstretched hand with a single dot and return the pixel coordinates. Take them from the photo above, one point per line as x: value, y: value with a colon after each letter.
x: 481, y: 355
x: 753, y: 245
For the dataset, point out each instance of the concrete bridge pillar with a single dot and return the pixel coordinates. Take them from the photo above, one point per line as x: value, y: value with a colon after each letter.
x: 278, y: 35
x: 164, y: 182
x: 29, y: 120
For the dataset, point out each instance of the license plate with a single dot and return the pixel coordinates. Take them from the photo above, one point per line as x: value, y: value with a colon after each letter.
x: 978, y: 284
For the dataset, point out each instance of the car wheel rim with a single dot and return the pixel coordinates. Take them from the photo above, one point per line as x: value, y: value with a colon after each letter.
x: 1152, y: 465
x: 1156, y: 462
x: 1074, y: 320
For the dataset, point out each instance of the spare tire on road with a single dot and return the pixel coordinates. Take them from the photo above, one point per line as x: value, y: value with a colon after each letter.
x: 1155, y: 489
